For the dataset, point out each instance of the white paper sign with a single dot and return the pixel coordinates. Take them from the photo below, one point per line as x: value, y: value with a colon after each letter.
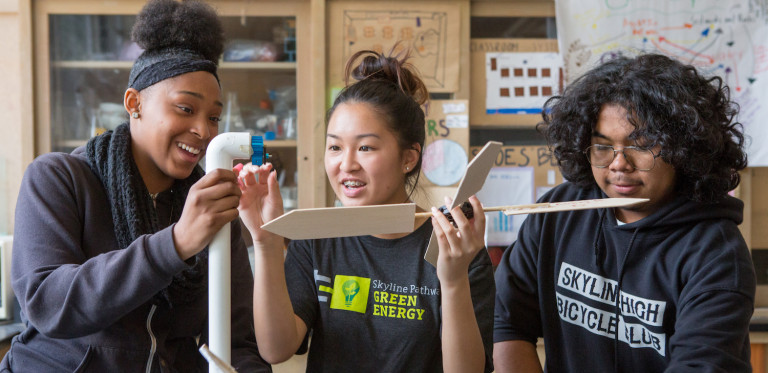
x: 505, y: 186
x: 457, y: 121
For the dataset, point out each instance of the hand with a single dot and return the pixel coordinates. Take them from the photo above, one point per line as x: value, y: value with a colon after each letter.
x: 211, y: 203
x: 458, y: 245
x: 260, y: 203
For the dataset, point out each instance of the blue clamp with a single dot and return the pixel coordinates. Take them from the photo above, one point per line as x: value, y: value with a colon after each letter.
x: 259, y: 156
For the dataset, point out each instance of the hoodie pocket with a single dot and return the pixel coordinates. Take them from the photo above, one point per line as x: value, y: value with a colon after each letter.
x: 84, y: 362
x: 111, y: 359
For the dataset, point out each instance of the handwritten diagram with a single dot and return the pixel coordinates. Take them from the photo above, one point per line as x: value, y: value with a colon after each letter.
x: 728, y: 38
x: 431, y: 36
x: 423, y: 32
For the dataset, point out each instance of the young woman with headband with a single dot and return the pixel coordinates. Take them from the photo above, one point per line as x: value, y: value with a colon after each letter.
x: 110, y: 259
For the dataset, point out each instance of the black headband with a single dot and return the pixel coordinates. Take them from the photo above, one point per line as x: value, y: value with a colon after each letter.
x: 157, y: 65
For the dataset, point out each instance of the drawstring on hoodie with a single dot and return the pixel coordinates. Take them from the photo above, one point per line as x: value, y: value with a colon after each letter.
x: 599, y: 251
x: 618, y: 302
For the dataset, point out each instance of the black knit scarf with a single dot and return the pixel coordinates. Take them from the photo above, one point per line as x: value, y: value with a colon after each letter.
x: 133, y: 213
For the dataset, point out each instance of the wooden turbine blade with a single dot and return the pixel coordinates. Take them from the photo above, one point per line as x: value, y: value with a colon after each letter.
x: 344, y: 221
x: 536, y: 208
x: 471, y: 183
x: 571, y: 205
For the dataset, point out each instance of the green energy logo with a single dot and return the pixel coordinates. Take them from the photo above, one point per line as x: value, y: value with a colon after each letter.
x: 353, y: 295
x: 350, y: 289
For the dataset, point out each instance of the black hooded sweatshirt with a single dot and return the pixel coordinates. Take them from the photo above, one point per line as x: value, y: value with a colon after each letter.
x: 673, y: 292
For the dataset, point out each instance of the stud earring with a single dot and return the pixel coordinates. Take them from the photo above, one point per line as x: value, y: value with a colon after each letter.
x: 407, y: 168
x: 135, y: 115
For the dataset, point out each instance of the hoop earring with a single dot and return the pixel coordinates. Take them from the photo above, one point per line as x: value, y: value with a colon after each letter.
x: 135, y: 115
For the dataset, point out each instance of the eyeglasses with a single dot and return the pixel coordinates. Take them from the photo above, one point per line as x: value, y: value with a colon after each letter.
x: 641, y: 159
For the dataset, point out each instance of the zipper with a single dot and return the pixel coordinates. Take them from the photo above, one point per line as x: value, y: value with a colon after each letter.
x: 152, y: 337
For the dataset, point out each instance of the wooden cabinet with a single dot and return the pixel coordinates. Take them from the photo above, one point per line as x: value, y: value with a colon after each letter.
x: 84, y: 54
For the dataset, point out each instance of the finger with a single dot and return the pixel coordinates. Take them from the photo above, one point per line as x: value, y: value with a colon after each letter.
x: 264, y: 171
x: 448, y: 201
x: 219, y: 190
x: 443, y: 247
x: 446, y: 227
x: 272, y: 185
x: 218, y: 176
x: 247, y: 176
x: 438, y: 229
x: 479, y: 215
x: 260, y: 174
x: 458, y: 217
x: 224, y: 216
x: 224, y: 206
x: 206, y: 181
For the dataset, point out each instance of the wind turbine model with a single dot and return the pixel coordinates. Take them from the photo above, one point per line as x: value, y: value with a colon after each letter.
x: 222, y: 151
x: 399, y: 218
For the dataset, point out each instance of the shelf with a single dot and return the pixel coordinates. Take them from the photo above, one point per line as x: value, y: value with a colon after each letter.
x: 74, y: 143
x: 287, y: 66
x: 268, y: 66
x: 82, y: 59
x: 279, y: 144
x: 93, y: 64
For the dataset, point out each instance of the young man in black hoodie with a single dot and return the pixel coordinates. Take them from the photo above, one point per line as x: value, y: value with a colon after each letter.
x: 664, y: 286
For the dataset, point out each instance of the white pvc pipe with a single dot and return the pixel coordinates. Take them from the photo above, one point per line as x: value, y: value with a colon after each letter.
x: 222, y: 151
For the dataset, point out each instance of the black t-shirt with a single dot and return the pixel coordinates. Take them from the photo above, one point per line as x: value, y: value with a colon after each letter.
x: 373, y: 305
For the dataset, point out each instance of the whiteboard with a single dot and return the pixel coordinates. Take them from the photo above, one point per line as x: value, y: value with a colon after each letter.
x: 728, y: 38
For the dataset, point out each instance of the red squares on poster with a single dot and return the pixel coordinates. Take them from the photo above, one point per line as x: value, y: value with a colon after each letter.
x: 369, y: 31
x: 406, y: 33
x: 387, y: 32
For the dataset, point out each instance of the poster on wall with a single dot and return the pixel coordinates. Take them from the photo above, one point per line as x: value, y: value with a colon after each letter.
x: 520, y: 83
x: 496, y: 95
x: 446, y: 143
x: 505, y: 186
x: 431, y: 35
x: 727, y: 38
x: 522, y: 174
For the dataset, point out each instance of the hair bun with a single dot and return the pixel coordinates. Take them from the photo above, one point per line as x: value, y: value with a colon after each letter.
x: 187, y: 24
x: 392, y: 68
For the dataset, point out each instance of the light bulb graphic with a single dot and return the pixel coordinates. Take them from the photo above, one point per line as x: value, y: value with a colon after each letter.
x: 350, y: 289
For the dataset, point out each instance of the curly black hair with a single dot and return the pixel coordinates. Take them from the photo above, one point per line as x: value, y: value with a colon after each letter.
x: 669, y: 104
